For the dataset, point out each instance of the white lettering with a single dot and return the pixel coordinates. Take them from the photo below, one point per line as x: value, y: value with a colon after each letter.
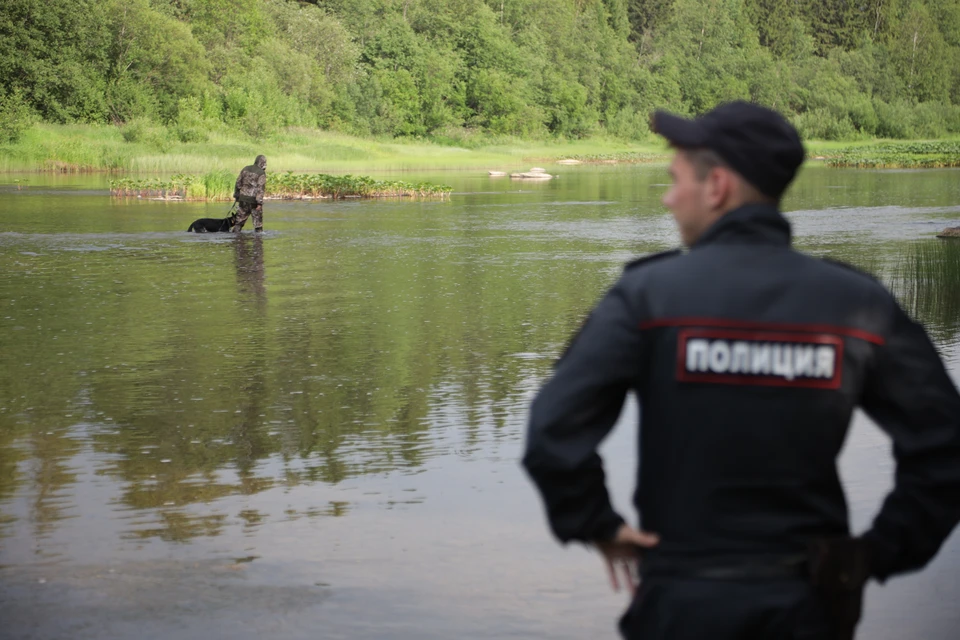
x: 760, y: 359
x: 787, y: 360
x: 826, y: 358
x: 697, y: 354
x: 741, y: 358
x: 782, y: 361
x: 803, y: 360
x: 720, y: 356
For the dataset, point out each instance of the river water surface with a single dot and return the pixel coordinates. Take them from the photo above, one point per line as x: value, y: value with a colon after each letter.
x: 315, y: 433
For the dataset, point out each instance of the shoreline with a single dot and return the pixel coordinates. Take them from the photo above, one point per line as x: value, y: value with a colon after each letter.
x: 102, y: 149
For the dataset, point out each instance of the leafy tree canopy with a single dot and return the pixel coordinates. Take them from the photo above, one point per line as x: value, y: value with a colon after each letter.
x: 451, y: 68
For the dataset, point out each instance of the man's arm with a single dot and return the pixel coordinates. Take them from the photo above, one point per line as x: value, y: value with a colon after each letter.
x: 910, y: 395
x: 572, y: 414
x: 236, y: 187
x: 261, y: 187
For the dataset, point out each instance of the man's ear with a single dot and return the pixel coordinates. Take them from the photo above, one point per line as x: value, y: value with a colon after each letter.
x: 719, y: 187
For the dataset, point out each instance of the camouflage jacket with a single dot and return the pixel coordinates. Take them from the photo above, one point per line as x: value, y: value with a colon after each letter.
x: 251, y: 183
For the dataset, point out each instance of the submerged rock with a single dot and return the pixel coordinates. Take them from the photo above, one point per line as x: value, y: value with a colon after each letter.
x: 531, y: 175
x: 535, y: 173
x: 950, y: 232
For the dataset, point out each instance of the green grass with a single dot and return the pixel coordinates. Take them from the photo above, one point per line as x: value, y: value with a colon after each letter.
x: 153, y: 150
x: 82, y: 148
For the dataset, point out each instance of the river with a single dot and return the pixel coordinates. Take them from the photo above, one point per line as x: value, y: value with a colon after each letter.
x: 315, y: 433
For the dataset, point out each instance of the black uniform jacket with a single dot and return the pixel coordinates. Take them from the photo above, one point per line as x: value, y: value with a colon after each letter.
x: 748, y: 359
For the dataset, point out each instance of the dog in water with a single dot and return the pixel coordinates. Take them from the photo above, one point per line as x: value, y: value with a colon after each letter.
x: 204, y: 225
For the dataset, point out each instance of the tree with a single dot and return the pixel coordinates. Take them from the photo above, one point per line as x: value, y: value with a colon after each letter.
x: 775, y: 23
x: 647, y: 16
x: 839, y: 23
x: 53, y: 52
x: 153, y: 61
x: 918, y: 47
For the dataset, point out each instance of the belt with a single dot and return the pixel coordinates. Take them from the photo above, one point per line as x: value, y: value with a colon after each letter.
x: 767, y: 567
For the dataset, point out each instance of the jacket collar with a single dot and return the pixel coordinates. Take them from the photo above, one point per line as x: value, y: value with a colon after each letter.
x: 749, y: 224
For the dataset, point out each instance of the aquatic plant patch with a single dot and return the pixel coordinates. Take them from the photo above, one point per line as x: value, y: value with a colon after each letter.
x: 908, y: 155
x: 292, y: 186
x: 218, y: 185
x: 625, y: 157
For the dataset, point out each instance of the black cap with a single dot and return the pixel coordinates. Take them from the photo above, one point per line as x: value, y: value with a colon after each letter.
x: 757, y: 142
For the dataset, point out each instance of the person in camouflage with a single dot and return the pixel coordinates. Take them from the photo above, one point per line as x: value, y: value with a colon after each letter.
x: 248, y: 193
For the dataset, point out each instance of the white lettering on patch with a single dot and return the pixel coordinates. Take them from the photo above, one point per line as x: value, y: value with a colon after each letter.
x: 759, y: 357
x: 697, y: 351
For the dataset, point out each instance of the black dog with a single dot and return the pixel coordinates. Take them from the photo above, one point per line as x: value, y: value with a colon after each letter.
x: 203, y: 225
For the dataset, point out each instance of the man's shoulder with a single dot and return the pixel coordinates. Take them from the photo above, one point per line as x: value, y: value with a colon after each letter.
x: 844, y: 281
x: 847, y: 270
x: 635, y: 265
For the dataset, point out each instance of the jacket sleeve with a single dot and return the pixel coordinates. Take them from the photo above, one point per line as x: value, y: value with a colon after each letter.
x: 572, y: 414
x: 911, y: 397
x: 261, y: 187
x: 236, y: 187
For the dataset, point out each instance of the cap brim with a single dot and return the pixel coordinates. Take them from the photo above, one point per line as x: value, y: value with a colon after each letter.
x: 679, y: 131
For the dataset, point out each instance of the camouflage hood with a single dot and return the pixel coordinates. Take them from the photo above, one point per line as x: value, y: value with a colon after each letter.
x: 251, y: 183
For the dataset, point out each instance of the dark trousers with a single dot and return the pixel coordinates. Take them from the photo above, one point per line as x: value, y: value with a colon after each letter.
x: 246, y: 210
x: 667, y: 608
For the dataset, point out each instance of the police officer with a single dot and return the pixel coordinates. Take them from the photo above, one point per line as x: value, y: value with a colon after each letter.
x: 248, y: 193
x: 747, y: 359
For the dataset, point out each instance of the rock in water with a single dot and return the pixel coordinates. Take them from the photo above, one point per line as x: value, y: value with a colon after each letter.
x: 950, y: 232
x: 496, y: 174
x: 535, y: 175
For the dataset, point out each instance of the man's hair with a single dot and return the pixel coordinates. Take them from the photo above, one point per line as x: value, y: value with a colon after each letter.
x: 704, y: 160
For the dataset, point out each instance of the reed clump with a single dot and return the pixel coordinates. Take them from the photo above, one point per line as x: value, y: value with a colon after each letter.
x: 213, y: 185
x: 218, y: 185
x: 927, y: 280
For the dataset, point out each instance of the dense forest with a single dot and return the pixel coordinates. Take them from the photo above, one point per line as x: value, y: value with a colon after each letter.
x: 462, y: 70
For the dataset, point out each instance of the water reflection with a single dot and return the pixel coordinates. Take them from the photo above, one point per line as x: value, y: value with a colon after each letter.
x: 249, y: 265
x: 354, y: 363
x: 195, y: 388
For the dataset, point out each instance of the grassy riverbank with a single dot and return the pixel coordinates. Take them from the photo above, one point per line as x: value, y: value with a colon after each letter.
x: 138, y: 149
x: 152, y: 150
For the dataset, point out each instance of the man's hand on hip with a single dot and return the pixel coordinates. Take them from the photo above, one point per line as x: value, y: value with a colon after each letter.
x: 623, y: 553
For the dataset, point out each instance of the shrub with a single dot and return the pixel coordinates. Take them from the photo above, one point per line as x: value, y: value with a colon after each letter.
x: 862, y: 114
x: 142, y: 131
x: 821, y: 124
x: 190, y: 125
x: 628, y: 124
x: 894, y: 120
x: 930, y: 119
x: 15, y: 117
